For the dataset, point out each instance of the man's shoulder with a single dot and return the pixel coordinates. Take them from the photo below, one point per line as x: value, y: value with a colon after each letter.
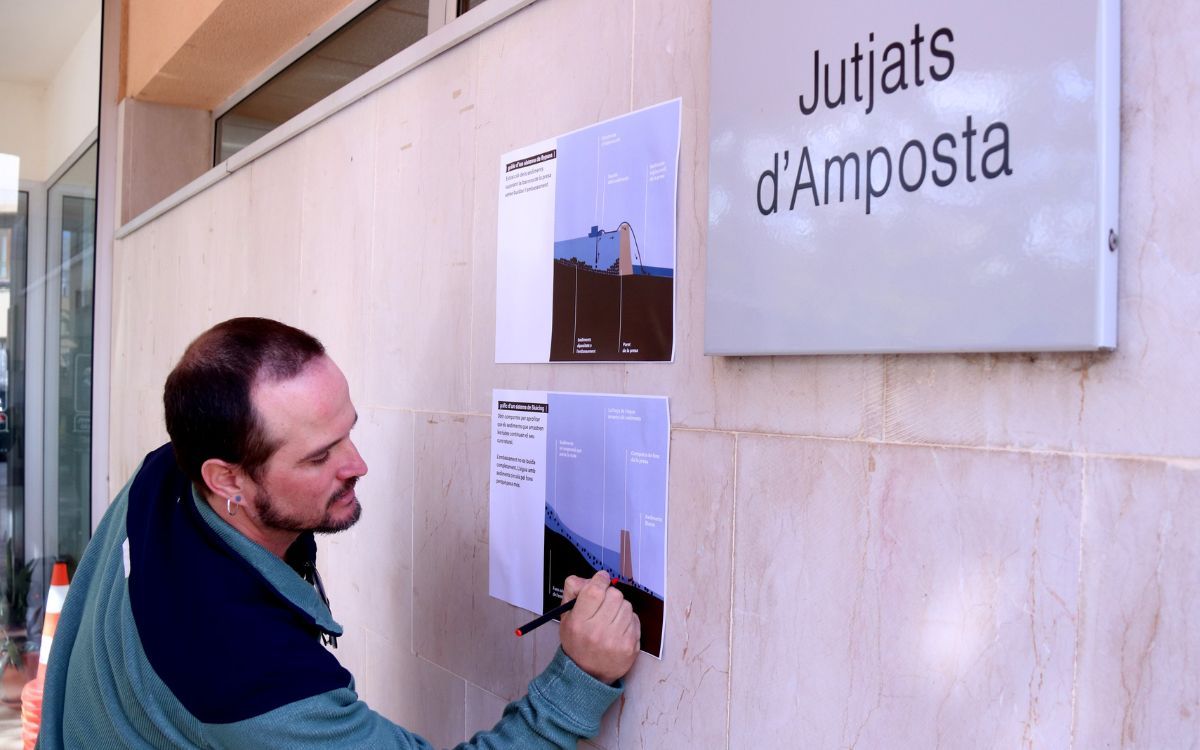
x: 221, y: 637
x: 232, y: 658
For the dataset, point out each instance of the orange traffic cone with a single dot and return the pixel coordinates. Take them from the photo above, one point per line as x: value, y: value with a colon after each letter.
x: 31, y: 696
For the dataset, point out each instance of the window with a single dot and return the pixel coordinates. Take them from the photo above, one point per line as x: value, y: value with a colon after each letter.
x: 374, y: 35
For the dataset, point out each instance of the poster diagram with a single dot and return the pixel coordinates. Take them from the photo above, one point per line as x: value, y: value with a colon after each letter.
x: 581, y: 479
x: 586, y: 246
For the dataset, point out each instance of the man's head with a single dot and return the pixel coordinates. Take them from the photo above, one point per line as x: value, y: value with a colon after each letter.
x: 255, y: 410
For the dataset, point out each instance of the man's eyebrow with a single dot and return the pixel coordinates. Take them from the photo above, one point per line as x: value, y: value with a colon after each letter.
x: 324, y: 448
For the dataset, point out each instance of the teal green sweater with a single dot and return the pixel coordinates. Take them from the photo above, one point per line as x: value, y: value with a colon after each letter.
x: 179, y: 632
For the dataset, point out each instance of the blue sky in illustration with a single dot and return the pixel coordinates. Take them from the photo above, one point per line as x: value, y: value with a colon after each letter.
x: 601, y: 490
x: 603, y: 177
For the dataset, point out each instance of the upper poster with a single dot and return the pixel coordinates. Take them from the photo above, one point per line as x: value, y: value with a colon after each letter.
x: 929, y: 176
x: 585, y: 260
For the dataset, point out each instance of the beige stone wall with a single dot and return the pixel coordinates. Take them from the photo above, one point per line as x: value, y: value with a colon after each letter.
x: 865, y: 551
x: 163, y: 148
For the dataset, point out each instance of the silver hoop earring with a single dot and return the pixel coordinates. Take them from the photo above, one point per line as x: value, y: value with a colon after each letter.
x: 231, y: 505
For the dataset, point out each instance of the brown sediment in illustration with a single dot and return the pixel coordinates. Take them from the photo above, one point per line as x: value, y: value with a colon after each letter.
x: 610, y: 315
x: 562, y: 559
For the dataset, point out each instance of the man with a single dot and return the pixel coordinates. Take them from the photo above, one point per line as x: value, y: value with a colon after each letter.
x: 196, y: 615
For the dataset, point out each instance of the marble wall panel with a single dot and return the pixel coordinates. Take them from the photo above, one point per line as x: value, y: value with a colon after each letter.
x: 264, y: 275
x: 414, y: 693
x: 523, y: 99
x: 418, y: 352
x: 131, y: 343
x: 455, y: 623
x: 208, y: 255
x: 670, y: 59
x: 1139, y: 641
x: 828, y: 396
x: 890, y: 596
x: 1139, y: 399
x: 1034, y: 401
x: 1145, y: 401
x: 338, y: 204
x: 483, y: 709
x: 351, y: 653
x: 181, y: 247
x: 680, y: 700
x: 821, y: 396
x: 161, y: 318
x: 368, y: 568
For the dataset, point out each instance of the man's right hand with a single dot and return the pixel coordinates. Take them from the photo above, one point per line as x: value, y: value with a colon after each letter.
x: 601, y: 634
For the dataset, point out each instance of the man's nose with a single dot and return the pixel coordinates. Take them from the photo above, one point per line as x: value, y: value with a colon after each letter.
x: 355, y: 466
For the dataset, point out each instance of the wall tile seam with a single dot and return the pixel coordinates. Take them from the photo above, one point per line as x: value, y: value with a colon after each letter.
x: 412, y: 537
x: 1080, y: 603
x: 465, y: 731
x: 382, y: 636
x: 732, y: 595
x: 376, y: 114
x: 470, y: 375
x: 443, y: 668
x: 1186, y: 463
x: 365, y: 301
x: 482, y: 689
x: 368, y: 291
x: 392, y: 409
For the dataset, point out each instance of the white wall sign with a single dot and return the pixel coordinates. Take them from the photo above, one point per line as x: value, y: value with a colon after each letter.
x: 913, y: 177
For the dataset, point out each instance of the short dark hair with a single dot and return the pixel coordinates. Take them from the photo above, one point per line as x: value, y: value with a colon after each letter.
x: 207, y: 400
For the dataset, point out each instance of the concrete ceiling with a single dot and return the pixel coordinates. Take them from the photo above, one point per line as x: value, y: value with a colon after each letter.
x: 37, y: 35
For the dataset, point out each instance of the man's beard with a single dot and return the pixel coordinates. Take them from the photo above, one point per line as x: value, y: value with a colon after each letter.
x: 271, y: 516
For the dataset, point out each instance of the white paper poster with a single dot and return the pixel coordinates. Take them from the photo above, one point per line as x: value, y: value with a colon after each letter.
x: 585, y: 267
x: 578, y: 485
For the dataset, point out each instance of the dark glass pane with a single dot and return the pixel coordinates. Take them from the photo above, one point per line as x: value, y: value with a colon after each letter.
x: 376, y: 34
x: 465, y: 5
x: 14, y: 252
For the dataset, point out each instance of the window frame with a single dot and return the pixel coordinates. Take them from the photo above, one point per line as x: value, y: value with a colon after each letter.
x: 448, y: 36
x: 441, y: 13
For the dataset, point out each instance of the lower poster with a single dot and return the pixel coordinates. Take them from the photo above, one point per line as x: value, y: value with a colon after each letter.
x: 578, y: 485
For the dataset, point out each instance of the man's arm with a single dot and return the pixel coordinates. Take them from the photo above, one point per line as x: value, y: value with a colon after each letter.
x: 564, y: 704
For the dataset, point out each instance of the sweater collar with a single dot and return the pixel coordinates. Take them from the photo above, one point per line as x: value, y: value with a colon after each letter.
x: 284, y: 576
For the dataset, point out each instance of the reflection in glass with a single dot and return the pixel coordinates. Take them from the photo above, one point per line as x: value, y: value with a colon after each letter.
x: 14, y: 244
x: 16, y: 581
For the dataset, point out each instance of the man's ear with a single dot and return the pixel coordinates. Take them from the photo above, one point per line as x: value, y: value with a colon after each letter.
x: 222, y: 478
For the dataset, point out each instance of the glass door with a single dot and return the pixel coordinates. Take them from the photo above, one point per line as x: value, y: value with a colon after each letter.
x: 70, y: 290
x: 22, y: 222
x: 14, y: 249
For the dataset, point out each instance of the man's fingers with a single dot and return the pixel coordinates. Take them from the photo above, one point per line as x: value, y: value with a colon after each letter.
x: 611, y: 607
x: 571, y: 587
x: 635, y: 625
x: 601, y: 580
x: 590, y: 595
x: 602, y: 632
